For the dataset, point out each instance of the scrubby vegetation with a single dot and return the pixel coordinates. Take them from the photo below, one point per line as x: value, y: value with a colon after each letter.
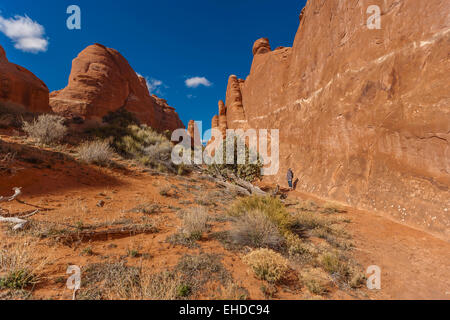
x: 97, y: 152
x: 16, y: 269
x: 256, y: 230
x: 194, y: 225
x: 185, y: 280
x: 46, y: 129
x: 265, y: 224
x: 6, y: 160
x: 138, y: 142
x: 195, y: 222
x: 248, y: 171
x: 267, y: 264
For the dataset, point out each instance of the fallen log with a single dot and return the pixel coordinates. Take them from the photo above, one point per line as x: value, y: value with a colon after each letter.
x: 238, y: 189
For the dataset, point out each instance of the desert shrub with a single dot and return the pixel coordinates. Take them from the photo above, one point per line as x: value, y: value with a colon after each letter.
x: 7, y: 160
x: 147, y: 208
x: 273, y: 208
x: 331, y: 207
x: 276, y: 212
x: 46, y: 129
x: 112, y: 280
x: 16, y: 268
x: 232, y: 291
x: 12, y: 115
x: 121, y: 118
x: 342, y: 269
x: 17, y: 279
x: 255, y: 229
x: 161, y: 286
x: 140, y: 143
x: 316, y: 287
x: 196, y: 270
x: 195, y: 223
x: 98, y: 152
x: 248, y: 171
x: 267, y: 264
x: 310, y: 221
x: 333, y: 263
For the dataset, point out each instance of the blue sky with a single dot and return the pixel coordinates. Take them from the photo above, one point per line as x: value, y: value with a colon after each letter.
x: 169, y: 41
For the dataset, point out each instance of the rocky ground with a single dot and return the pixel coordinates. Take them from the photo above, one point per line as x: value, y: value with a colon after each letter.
x: 122, y: 226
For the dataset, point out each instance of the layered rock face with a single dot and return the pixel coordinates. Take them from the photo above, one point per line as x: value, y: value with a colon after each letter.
x: 194, y: 133
x: 364, y: 115
x: 102, y: 81
x: 20, y: 89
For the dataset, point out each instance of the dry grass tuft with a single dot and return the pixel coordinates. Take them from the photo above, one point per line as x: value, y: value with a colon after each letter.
x: 110, y: 281
x: 195, y: 222
x: 256, y: 230
x: 161, y: 286
x: 97, y: 152
x: 267, y: 264
x: 18, y: 270
x: 46, y: 129
x: 316, y: 281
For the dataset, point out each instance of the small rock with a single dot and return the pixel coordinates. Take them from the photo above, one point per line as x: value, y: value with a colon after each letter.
x: 101, y: 204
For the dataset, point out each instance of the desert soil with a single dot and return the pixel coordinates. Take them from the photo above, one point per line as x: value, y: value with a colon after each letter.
x: 414, y: 264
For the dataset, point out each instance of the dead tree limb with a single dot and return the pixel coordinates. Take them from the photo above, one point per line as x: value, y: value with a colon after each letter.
x: 19, y: 222
x: 17, y: 192
x: 238, y: 189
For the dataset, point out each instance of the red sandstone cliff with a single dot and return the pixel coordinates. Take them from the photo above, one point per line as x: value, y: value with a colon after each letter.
x: 20, y: 89
x: 363, y: 114
x: 101, y: 81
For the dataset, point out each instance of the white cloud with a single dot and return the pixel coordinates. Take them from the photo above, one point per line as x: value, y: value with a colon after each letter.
x: 27, y: 35
x: 153, y: 85
x: 197, y: 81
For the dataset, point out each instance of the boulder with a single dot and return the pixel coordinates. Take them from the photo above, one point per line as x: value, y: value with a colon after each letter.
x: 21, y: 90
x: 102, y: 81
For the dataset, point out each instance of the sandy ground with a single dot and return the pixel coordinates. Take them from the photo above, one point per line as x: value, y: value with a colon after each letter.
x: 414, y: 264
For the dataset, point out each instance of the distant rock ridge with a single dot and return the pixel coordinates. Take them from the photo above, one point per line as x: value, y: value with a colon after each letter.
x: 364, y: 115
x: 102, y: 81
x: 20, y: 89
x: 195, y: 134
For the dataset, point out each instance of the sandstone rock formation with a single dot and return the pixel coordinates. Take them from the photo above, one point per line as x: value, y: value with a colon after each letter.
x: 20, y: 89
x: 102, y: 81
x: 363, y: 114
x: 194, y: 133
x: 261, y: 46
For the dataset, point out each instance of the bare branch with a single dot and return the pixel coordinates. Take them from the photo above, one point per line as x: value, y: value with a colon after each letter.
x: 17, y: 192
x: 19, y: 223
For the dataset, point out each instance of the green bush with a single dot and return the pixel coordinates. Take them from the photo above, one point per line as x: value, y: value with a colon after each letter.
x: 276, y: 212
x: 17, y: 279
x: 135, y: 141
x: 247, y: 171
